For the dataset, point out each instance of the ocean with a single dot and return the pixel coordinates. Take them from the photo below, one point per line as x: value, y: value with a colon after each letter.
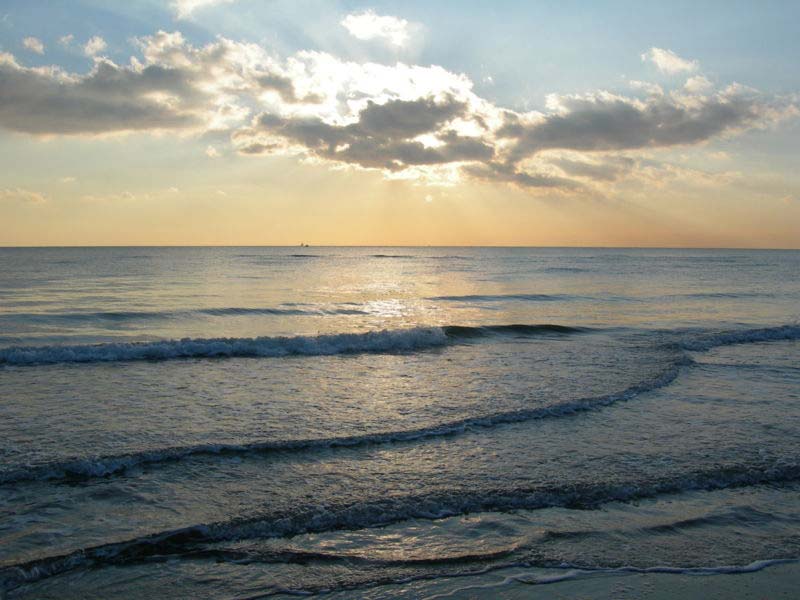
x: 393, y: 422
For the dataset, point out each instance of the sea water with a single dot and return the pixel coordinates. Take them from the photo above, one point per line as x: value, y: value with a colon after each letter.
x: 248, y: 422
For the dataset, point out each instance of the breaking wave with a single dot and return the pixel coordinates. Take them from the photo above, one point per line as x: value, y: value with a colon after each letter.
x: 707, y: 341
x: 373, y: 513
x: 84, y: 468
x: 385, y: 341
x: 319, y: 345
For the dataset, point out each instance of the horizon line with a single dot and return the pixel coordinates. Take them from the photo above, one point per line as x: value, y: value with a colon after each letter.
x: 56, y: 246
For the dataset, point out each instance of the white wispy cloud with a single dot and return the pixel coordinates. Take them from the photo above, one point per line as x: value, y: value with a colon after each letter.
x: 124, y: 196
x: 212, y: 152
x: 66, y: 40
x: 370, y: 26
x: 649, y: 88
x: 22, y: 195
x: 33, y: 44
x: 698, y: 85
x: 94, y: 46
x: 184, y: 8
x: 669, y: 62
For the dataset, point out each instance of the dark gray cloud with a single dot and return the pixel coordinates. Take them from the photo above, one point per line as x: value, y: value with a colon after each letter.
x: 285, y: 88
x: 109, y: 99
x: 613, y: 123
x: 112, y: 81
x: 384, y: 135
x: 256, y: 148
x: 177, y: 87
x: 382, y: 138
x: 407, y: 118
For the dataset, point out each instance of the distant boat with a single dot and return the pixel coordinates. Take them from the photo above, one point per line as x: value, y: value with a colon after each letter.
x: 303, y: 245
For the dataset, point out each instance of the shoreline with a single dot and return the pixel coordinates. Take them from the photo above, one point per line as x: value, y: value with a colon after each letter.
x: 779, y: 579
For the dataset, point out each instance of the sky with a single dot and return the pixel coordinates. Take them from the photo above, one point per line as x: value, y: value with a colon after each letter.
x: 279, y: 122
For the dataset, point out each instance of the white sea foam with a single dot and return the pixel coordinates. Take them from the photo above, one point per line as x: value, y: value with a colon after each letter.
x: 577, y: 571
x: 371, y: 513
x: 708, y: 341
x: 344, y: 343
x: 569, y: 572
x: 384, y: 341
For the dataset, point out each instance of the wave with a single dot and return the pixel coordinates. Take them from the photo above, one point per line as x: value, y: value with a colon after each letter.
x: 707, y: 341
x: 565, y: 270
x: 575, y: 571
x: 384, y: 511
x: 568, y: 297
x: 86, y: 468
x: 385, y: 341
x: 463, y: 331
x: 722, y: 295
x: 505, y: 298
x: 320, y: 345
x: 278, y: 311
x: 121, y: 316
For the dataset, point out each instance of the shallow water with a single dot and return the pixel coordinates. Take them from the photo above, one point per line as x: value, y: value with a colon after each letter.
x: 240, y: 422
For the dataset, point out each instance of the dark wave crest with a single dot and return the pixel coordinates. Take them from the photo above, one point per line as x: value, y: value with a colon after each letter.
x: 506, y: 298
x: 385, y: 341
x: 708, y: 340
x: 379, y: 512
x: 86, y: 468
x: 135, y: 315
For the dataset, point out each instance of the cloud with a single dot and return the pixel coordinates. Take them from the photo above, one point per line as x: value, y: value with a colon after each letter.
x: 652, y: 89
x: 184, y: 8
x: 504, y: 172
x: 383, y: 137
x: 284, y: 87
x: 68, y: 179
x: 698, y: 85
x: 175, y: 87
x: 422, y: 123
x: 110, y: 98
x: 22, y: 195
x: 604, y: 121
x: 393, y: 118
x: 33, y: 44
x: 125, y: 196
x: 66, y: 40
x: 607, y: 168
x: 719, y: 155
x: 94, y: 46
x: 669, y: 62
x: 370, y: 26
